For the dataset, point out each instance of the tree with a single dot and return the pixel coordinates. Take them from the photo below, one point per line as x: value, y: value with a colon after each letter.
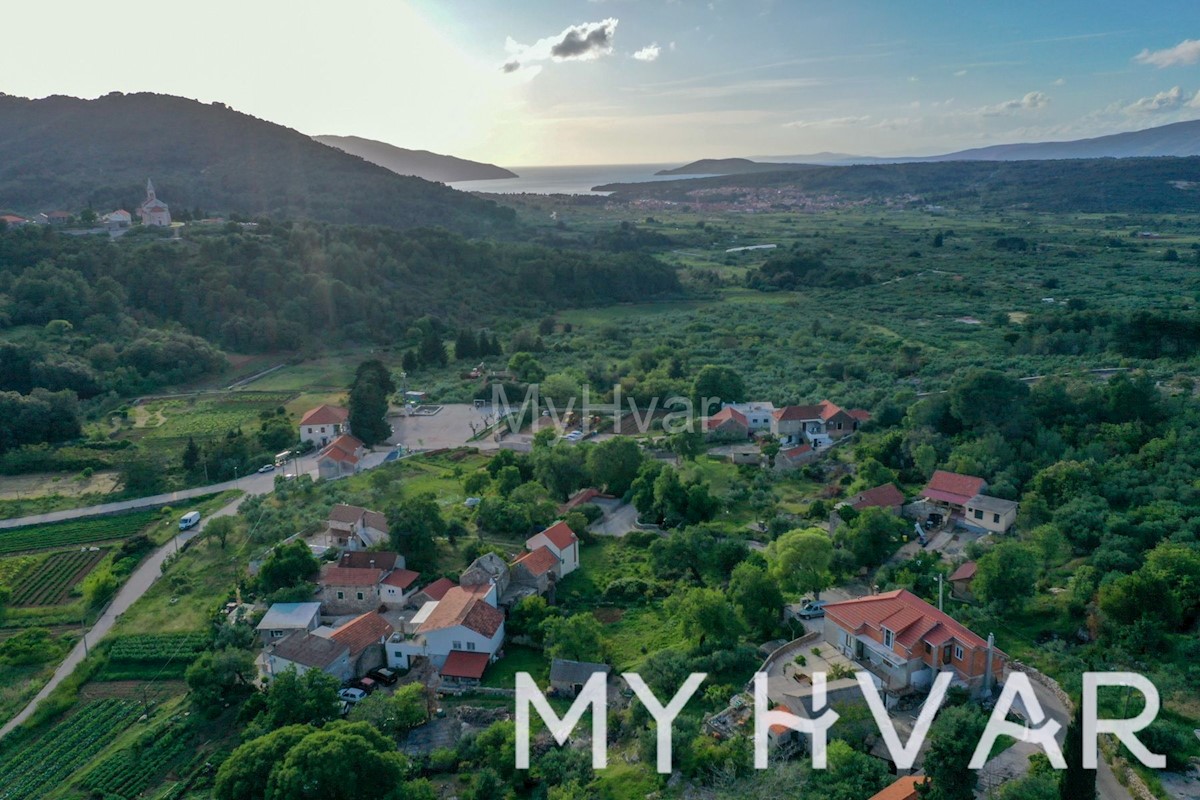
x: 415, y: 525
x: 368, y: 403
x: 141, y: 474
x: 952, y: 742
x: 1075, y: 782
x: 343, y: 761
x: 614, y: 464
x: 219, y: 528
x: 849, y: 774
x: 756, y: 597
x: 526, y: 368
x: 394, y: 714
x: 216, y: 679
x: 244, y: 775
x: 687, y: 444
x: 99, y: 586
x: 719, y: 384
x: 574, y: 638
x: 528, y: 616
x: 1006, y: 575
x: 191, y: 456
x: 705, y: 615
x: 800, y: 560
x: 873, y: 535
x: 307, y: 699
x: 288, y: 565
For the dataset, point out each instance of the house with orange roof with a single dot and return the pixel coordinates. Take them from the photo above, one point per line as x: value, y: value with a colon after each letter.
x: 364, y: 638
x: 341, y: 457
x: 902, y: 789
x: 887, y: 497
x: 819, y: 424
x: 728, y: 424
x: 560, y: 540
x: 323, y: 424
x: 465, y: 620
x: 961, y: 580
x: 361, y: 581
x: 952, y: 490
x: 354, y: 528
x: 904, y: 642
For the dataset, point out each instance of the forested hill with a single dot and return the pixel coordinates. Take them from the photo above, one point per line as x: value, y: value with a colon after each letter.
x: 275, y: 287
x: 66, y: 153
x: 1160, y: 185
x: 422, y: 163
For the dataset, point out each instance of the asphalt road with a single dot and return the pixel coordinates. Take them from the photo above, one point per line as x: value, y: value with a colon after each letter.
x: 150, y: 570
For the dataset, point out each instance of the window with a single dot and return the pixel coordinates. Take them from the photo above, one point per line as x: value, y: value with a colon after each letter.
x: 946, y: 654
x: 397, y: 654
x: 470, y: 645
x: 322, y: 429
x: 360, y: 595
x: 996, y: 518
x: 341, y: 595
x: 958, y: 653
x: 928, y: 648
x: 978, y: 513
x: 888, y: 638
x: 276, y: 634
x: 456, y: 645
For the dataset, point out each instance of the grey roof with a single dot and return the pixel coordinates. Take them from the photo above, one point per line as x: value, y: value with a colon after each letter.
x: 304, y: 648
x: 562, y: 671
x: 289, y: 615
x: 994, y: 504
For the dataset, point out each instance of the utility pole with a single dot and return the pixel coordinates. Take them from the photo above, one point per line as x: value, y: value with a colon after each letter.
x: 939, y: 591
x: 83, y: 627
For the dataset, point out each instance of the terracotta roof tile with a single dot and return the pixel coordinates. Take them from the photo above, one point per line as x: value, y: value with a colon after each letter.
x: 964, y: 572
x: 325, y: 415
x: 333, y: 575
x: 903, y: 789
x: 402, y: 578
x: 363, y: 631
x: 437, y: 590
x: 561, y: 535
x: 952, y: 487
x: 366, y: 559
x: 885, y: 496
x: 905, y: 614
x: 539, y: 561
x: 460, y: 607
x: 462, y: 664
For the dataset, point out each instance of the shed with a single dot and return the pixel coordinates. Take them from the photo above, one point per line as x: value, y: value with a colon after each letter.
x: 568, y: 677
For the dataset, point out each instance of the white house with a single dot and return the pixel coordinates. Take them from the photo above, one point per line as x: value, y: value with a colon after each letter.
x: 758, y: 415
x: 341, y: 457
x: 153, y: 211
x: 465, y: 620
x: 323, y: 424
x: 118, y: 219
x: 283, y: 619
x: 562, y: 542
x: 356, y: 528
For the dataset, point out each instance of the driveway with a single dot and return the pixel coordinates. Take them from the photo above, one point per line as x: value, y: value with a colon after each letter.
x: 617, y: 521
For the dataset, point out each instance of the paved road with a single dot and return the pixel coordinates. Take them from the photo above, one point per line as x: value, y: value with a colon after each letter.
x: 252, y: 484
x: 150, y: 571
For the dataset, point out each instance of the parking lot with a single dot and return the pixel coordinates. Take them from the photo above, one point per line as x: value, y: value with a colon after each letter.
x: 450, y: 426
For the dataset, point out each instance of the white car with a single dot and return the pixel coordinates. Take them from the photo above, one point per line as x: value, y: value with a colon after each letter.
x: 267, y: 468
x: 352, y: 695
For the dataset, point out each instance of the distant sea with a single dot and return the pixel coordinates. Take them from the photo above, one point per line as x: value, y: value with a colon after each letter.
x: 569, y: 180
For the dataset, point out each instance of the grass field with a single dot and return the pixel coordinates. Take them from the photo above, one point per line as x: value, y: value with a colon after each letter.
x: 165, y: 425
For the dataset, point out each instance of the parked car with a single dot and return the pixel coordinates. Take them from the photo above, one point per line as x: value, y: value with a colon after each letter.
x: 189, y: 520
x: 352, y: 695
x: 811, y: 609
x: 267, y: 468
x: 384, y: 675
x: 367, y: 684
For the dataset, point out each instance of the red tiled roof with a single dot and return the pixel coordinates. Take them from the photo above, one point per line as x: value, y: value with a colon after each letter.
x: 462, y: 664
x: 903, y: 789
x: 909, y: 617
x: 13, y: 218
x: 437, y: 590
x: 860, y: 414
x: 728, y: 414
x: 829, y: 410
x: 798, y: 413
x: 964, y: 573
x: 332, y: 575
x: 560, y: 535
x: 539, y: 561
x: 798, y: 450
x: 461, y: 607
x: 368, y: 559
x: 363, y: 631
x: 402, y: 578
x: 578, y: 499
x: 779, y: 728
x: 344, y: 513
x: 951, y: 487
x: 885, y: 496
x: 325, y: 415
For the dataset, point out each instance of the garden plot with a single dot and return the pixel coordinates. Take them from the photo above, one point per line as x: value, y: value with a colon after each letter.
x: 49, y: 583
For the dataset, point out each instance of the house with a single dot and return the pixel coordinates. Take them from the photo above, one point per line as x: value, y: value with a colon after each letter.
x: 463, y: 670
x: 431, y: 593
x: 952, y: 491
x: 793, y: 457
x: 323, y: 424
x: 990, y: 513
x: 302, y: 651
x: 727, y: 424
x: 487, y: 570
x: 464, y: 620
x: 537, y: 570
x: 561, y: 541
x: 745, y: 454
x: 341, y: 457
x: 757, y: 415
x: 820, y: 424
x: 903, y: 789
x: 282, y: 619
x: 153, y: 211
x: 568, y: 677
x: 903, y: 641
x: 355, y: 528
x: 58, y: 217
x: 364, y: 638
x: 363, y: 581
x: 887, y: 497
x: 582, y: 497
x: 961, y: 579
x: 13, y: 220
x: 118, y: 219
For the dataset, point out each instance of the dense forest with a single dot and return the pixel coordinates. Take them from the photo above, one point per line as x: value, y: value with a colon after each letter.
x: 63, y: 152
x: 1143, y: 185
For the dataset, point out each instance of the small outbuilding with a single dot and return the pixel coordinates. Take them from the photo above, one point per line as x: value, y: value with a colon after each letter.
x: 568, y: 677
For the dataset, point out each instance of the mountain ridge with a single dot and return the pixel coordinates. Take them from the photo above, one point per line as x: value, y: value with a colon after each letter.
x: 417, y: 163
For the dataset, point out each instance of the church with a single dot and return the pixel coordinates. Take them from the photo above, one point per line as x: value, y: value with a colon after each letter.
x: 154, y: 211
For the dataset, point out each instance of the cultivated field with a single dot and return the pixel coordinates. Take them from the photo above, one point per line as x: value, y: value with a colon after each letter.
x: 50, y: 582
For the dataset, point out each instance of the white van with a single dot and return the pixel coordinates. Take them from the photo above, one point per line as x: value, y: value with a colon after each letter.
x: 189, y: 520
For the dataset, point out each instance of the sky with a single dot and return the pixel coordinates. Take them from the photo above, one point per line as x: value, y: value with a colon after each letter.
x: 550, y: 82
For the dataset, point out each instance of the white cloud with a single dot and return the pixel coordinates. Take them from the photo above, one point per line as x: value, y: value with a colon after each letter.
x: 1163, y: 101
x: 1186, y: 52
x: 960, y: 73
x: 1195, y: 103
x: 1032, y: 100
x: 648, y: 53
x: 587, y: 41
x: 833, y: 122
x: 1059, y: 82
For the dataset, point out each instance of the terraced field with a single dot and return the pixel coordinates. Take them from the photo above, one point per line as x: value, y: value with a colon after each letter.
x: 49, y: 583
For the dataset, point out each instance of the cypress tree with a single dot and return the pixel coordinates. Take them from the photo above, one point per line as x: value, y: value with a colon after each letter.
x: 1075, y: 782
